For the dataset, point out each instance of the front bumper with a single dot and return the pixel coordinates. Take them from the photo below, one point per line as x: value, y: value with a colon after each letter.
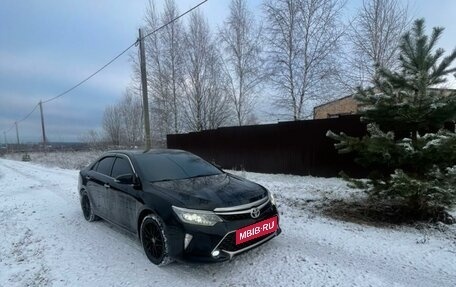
x: 219, y: 237
x: 229, y: 249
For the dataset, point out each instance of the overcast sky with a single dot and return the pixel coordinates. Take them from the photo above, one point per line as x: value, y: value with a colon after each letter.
x: 47, y: 46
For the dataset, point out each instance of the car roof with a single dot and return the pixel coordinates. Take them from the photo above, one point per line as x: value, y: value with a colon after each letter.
x: 136, y: 152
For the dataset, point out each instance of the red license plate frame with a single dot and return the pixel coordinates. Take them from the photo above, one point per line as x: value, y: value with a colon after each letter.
x: 256, y: 230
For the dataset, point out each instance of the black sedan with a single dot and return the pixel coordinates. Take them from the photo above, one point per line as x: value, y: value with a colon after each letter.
x: 180, y: 206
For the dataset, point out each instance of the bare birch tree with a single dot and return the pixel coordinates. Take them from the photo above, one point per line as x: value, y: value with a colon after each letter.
x: 130, y: 113
x: 157, y: 80
x: 218, y: 109
x: 123, y: 122
x: 173, y: 60
x: 373, y: 39
x: 240, y: 36
x: 93, y: 139
x: 133, y: 99
x: 112, y: 124
x: 165, y: 60
x: 303, y: 37
x: 205, y: 102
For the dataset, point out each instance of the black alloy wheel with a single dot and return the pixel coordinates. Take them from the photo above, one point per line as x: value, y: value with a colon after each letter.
x: 87, y: 208
x: 154, y: 241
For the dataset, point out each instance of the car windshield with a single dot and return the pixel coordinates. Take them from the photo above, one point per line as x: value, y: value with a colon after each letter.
x: 174, y: 166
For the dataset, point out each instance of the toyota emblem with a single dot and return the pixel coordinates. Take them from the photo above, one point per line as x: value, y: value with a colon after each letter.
x: 255, y: 212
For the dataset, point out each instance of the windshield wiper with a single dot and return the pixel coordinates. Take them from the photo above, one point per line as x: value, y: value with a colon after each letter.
x: 175, y: 179
x: 163, y: 180
x: 204, y: 175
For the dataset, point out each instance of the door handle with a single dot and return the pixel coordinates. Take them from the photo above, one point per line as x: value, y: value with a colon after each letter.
x: 88, y: 177
x: 107, y: 185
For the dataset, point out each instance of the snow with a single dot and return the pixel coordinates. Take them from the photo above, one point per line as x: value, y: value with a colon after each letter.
x: 46, y: 241
x: 436, y: 142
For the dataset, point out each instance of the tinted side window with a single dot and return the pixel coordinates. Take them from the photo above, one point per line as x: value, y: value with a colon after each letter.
x: 105, y: 165
x: 121, y: 166
x: 94, y: 167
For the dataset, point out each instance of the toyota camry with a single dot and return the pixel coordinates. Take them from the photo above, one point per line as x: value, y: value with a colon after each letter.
x: 179, y: 205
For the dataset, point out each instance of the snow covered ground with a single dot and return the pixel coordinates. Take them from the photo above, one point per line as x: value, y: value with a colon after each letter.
x: 46, y: 241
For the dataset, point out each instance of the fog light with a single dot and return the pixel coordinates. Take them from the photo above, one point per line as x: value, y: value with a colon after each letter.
x: 215, y: 253
x: 187, y: 239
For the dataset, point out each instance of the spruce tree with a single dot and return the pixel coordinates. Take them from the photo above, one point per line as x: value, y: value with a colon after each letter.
x: 409, y: 153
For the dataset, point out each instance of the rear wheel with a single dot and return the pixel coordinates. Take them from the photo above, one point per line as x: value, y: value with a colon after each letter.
x: 87, y: 208
x: 154, y: 240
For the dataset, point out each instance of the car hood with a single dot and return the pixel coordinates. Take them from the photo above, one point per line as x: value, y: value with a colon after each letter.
x: 210, y: 192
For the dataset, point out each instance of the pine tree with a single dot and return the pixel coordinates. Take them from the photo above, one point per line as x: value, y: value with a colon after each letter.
x: 411, y: 156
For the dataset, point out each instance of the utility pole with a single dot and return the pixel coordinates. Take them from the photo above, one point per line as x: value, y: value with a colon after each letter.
x: 42, y: 127
x: 144, y: 89
x: 6, y: 143
x: 17, y: 134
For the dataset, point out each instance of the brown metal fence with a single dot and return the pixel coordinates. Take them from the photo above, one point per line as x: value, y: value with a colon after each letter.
x: 297, y: 147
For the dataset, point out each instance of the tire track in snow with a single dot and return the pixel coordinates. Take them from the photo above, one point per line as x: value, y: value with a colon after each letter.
x: 22, y: 261
x: 51, y: 184
x: 72, y: 242
x: 24, y: 221
x: 84, y: 253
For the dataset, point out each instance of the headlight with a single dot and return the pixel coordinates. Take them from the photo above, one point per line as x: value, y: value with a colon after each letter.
x: 199, y: 217
x: 271, y: 198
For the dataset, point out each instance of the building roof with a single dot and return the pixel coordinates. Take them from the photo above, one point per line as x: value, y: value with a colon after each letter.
x: 350, y: 96
x: 333, y: 101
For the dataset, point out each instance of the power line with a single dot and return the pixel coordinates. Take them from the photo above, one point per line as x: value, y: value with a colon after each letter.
x: 111, y: 61
x: 11, y: 127
x: 175, y: 19
x: 23, y: 119
x: 28, y: 115
x: 90, y: 76
x: 123, y: 52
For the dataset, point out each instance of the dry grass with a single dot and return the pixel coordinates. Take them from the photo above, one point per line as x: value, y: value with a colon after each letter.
x: 67, y: 159
x: 383, y: 214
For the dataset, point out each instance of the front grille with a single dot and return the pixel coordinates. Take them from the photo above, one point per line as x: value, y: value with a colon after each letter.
x: 229, y: 243
x: 266, y: 211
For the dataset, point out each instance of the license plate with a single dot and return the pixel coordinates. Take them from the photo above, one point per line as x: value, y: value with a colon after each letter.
x: 256, y: 230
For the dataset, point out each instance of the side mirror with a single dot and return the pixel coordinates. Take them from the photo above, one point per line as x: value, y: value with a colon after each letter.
x: 126, y: 179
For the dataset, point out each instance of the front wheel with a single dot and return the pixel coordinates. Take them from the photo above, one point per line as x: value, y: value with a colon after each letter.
x: 154, y: 240
x: 87, y: 208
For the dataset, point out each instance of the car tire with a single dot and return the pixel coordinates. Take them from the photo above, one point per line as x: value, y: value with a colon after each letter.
x: 154, y: 240
x: 87, y: 209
